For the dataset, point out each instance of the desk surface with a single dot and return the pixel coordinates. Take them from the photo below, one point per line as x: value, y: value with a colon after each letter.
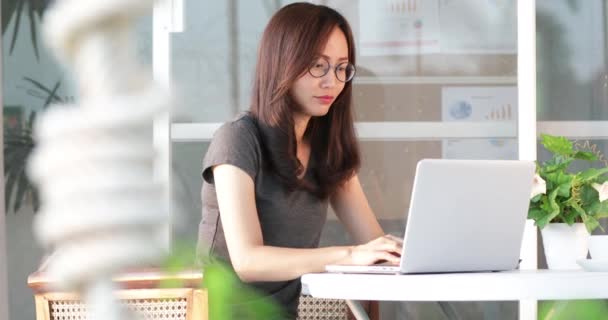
x: 490, y: 286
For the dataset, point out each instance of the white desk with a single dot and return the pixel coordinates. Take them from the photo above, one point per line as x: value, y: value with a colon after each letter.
x: 492, y: 286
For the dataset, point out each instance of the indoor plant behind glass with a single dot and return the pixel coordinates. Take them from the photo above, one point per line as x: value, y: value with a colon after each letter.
x: 567, y: 205
x: 19, y: 143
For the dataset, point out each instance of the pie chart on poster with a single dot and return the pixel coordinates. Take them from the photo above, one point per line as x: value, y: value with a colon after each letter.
x: 460, y: 110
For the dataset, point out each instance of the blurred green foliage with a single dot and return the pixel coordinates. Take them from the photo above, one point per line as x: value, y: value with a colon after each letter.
x: 573, y: 310
x: 229, y: 298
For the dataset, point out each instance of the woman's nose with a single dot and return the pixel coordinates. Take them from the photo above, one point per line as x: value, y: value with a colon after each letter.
x: 329, y: 80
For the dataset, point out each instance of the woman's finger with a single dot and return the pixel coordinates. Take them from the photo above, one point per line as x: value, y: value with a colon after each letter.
x: 396, y: 239
x: 383, y: 255
x: 388, y: 247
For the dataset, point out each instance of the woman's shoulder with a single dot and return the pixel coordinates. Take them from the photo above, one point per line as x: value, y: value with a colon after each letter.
x: 242, y: 127
x: 235, y: 142
x: 243, y: 123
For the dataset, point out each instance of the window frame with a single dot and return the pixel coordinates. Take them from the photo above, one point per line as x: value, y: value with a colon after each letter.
x: 525, y: 130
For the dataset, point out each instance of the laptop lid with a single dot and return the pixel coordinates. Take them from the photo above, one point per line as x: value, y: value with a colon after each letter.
x: 466, y: 215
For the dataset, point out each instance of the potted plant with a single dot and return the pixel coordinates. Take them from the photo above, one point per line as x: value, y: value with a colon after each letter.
x: 19, y: 143
x: 567, y: 205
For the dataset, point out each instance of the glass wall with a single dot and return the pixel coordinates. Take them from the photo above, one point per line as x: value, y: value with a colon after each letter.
x: 572, y: 75
x: 435, y: 79
x: 32, y: 81
x: 422, y: 76
x: 572, y: 87
x: 571, y: 61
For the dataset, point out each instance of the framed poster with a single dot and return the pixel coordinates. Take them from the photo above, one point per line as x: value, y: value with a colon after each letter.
x: 398, y: 27
x: 479, y: 104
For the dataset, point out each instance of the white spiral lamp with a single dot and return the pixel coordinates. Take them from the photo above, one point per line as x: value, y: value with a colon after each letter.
x: 101, y: 209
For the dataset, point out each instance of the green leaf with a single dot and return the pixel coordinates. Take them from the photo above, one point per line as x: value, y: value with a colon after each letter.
x: 569, y: 218
x: 230, y: 299
x: 578, y: 209
x: 536, y: 198
x: 588, y: 195
x: 536, y: 214
x: 551, y: 209
x: 563, y: 190
x: 545, y: 206
x: 591, y: 174
x: 585, y: 155
x: 558, y: 163
x: 600, y: 209
x: 542, y: 222
x: 572, y: 309
x: 182, y: 257
x: 557, y: 145
x: 591, y: 224
x: 555, y: 208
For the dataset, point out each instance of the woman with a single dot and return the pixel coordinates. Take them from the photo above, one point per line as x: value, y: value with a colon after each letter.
x: 270, y: 174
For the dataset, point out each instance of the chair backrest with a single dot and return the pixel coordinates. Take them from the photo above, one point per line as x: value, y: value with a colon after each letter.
x: 311, y: 308
x: 139, y: 294
x: 153, y: 304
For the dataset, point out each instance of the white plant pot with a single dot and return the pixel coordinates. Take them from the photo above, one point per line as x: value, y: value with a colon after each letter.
x: 565, y: 244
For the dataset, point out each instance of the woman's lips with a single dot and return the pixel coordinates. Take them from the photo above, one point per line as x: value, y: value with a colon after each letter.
x: 325, y: 99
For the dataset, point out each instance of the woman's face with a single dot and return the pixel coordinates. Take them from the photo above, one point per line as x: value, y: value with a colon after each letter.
x: 316, y: 95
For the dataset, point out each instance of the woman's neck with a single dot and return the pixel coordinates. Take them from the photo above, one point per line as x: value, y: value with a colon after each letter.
x: 300, y: 125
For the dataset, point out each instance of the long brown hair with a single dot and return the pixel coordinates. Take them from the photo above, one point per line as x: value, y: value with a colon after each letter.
x: 295, y: 35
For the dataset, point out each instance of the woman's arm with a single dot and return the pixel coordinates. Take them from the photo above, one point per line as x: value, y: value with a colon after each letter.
x: 351, y: 207
x: 252, y: 261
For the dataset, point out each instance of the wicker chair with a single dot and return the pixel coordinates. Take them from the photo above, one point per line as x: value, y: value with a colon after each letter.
x: 325, y: 309
x: 140, y: 294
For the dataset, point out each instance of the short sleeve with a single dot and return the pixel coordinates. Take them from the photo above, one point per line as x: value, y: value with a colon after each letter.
x: 234, y: 143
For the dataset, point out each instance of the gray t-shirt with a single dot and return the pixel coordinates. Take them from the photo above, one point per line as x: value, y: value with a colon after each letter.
x: 292, y: 220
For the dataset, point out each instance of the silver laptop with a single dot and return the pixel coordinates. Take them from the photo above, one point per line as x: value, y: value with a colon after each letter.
x: 464, y: 216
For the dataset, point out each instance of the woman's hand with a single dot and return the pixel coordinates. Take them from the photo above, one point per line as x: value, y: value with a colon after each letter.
x: 386, y: 248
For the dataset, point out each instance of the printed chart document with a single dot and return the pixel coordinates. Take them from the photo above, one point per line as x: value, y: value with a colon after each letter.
x: 479, y: 104
x: 411, y: 27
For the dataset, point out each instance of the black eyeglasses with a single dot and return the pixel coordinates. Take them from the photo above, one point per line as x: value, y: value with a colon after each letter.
x: 344, y: 71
